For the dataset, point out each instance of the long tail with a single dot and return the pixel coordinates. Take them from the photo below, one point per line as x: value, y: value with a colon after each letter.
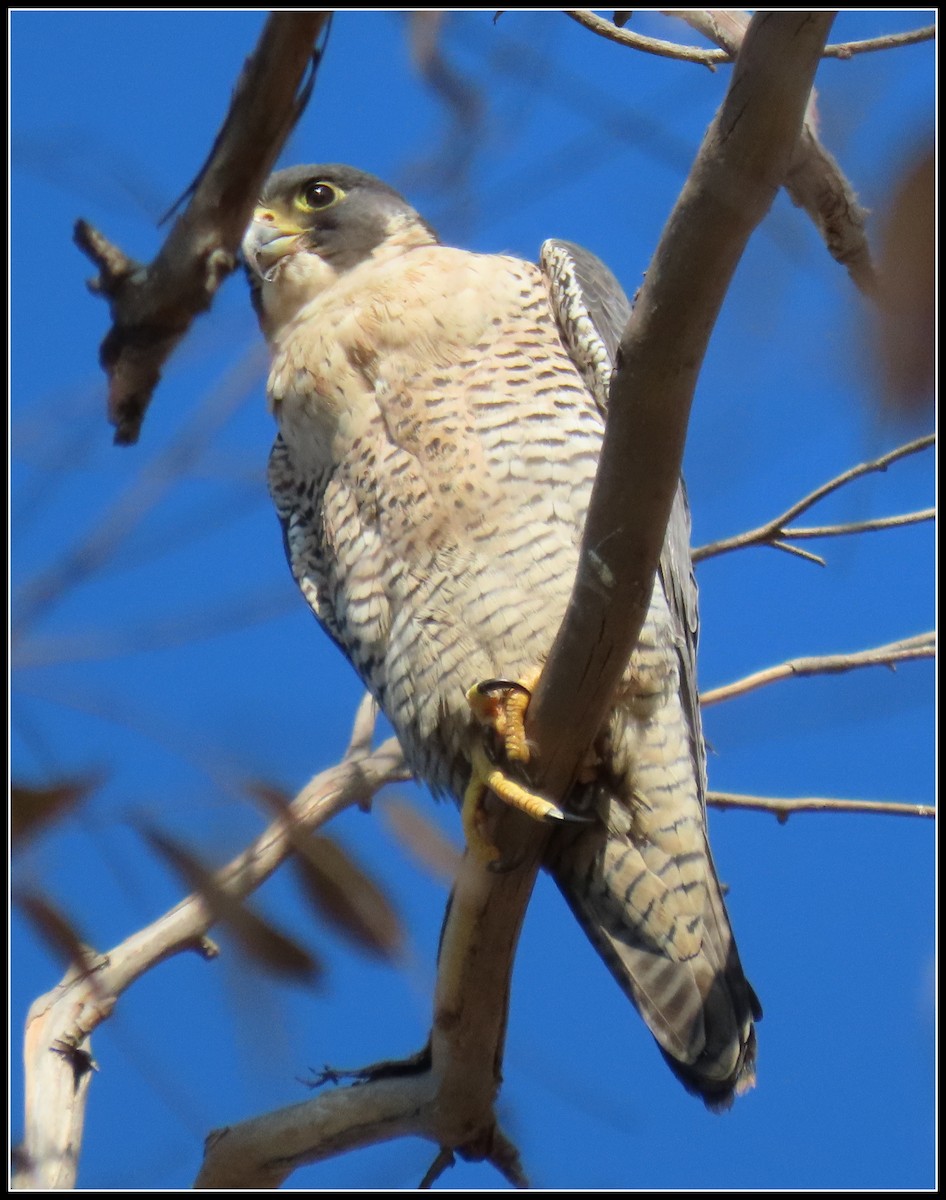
x: 656, y: 915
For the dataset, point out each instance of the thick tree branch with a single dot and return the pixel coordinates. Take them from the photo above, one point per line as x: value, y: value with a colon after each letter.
x: 60, y: 1023
x: 773, y: 532
x: 740, y: 167
x: 905, y: 650
x: 153, y: 306
x: 783, y: 809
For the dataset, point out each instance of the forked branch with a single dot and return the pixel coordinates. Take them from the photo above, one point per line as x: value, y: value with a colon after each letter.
x: 152, y: 306
x: 713, y: 24
x: 779, y: 530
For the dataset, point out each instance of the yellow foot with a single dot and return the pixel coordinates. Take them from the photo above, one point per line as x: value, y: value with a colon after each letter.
x: 501, y: 705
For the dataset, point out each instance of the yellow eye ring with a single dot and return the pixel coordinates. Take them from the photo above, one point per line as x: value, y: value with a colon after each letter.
x: 317, y: 194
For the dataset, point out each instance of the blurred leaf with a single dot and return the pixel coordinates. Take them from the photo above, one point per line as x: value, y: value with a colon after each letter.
x: 907, y: 275
x: 260, y: 940
x: 423, y: 840
x: 32, y: 808
x: 346, y: 896
x: 339, y: 889
x: 55, y: 930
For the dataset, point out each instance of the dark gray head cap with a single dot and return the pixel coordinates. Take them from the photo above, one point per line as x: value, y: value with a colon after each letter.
x: 346, y: 232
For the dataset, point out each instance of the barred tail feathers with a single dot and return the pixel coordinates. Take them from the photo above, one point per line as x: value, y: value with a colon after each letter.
x: 679, y: 966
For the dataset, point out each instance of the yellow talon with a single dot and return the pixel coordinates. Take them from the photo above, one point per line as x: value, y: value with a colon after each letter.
x: 487, y: 777
x: 501, y: 704
x: 514, y: 733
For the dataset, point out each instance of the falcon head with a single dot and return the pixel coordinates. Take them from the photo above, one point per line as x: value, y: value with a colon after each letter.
x: 314, y: 223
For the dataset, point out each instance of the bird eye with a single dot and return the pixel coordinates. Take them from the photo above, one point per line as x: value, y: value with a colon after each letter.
x: 318, y: 195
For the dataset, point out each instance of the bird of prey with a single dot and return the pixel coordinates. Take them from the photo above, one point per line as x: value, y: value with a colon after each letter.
x: 440, y: 418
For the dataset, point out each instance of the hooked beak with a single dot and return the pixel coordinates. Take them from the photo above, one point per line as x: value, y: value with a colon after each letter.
x: 267, y: 241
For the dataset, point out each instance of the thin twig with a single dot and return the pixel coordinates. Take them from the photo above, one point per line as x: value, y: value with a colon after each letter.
x: 886, y: 42
x: 700, y: 19
x: 443, y: 1162
x: 637, y: 41
x: 906, y: 650
x: 776, y: 529
x: 783, y: 809
x: 796, y: 532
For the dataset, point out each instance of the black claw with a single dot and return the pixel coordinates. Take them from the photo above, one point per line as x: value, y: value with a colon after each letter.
x: 487, y: 686
x: 568, y: 816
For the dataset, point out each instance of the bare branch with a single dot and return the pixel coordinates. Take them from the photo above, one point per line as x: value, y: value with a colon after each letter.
x: 797, y: 532
x: 68, y: 1015
x: 888, y: 42
x: 732, y: 185
x: 778, y: 528
x: 723, y: 27
x: 799, y: 553
x: 783, y: 809
x: 906, y: 650
x: 153, y: 306
x: 718, y: 26
x: 814, y: 181
x: 637, y: 41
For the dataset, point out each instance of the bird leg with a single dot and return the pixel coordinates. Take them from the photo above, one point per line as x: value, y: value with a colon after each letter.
x: 500, y: 705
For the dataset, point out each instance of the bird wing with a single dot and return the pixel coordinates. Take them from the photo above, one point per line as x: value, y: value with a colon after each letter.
x: 681, y: 970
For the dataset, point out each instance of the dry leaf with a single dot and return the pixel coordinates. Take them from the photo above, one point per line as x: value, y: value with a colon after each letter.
x: 345, y: 895
x: 55, y: 930
x: 423, y: 840
x: 906, y: 345
x: 260, y: 940
x: 32, y: 808
x: 339, y: 889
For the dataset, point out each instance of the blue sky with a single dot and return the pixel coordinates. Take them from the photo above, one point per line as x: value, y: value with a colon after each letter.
x: 183, y: 664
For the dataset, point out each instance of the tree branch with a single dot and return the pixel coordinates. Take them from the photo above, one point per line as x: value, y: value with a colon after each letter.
x: 153, y: 306
x: 60, y: 1023
x: 715, y: 25
x: 905, y: 650
x: 815, y: 181
x: 889, y: 41
x: 773, y: 531
x: 638, y: 41
x: 783, y: 809
x: 799, y: 532
x: 740, y: 166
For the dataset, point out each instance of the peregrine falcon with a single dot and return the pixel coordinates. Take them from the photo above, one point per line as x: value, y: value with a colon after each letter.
x: 440, y: 417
